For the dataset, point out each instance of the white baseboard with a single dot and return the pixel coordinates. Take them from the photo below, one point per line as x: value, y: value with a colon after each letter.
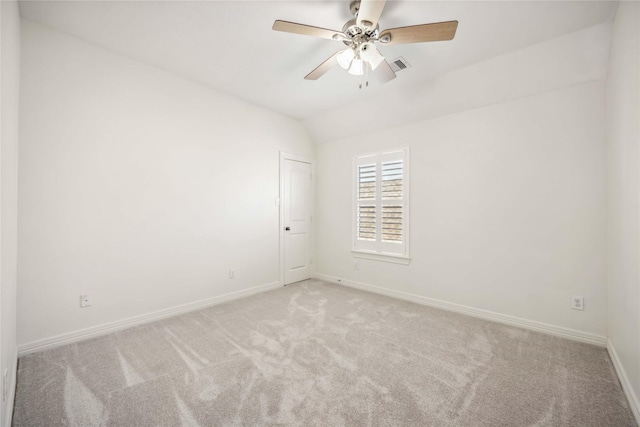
x: 533, y: 325
x: 634, y: 403
x: 11, y: 390
x: 105, y: 328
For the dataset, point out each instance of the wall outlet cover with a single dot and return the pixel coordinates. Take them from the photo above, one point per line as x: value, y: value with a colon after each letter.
x: 577, y: 302
x: 85, y: 301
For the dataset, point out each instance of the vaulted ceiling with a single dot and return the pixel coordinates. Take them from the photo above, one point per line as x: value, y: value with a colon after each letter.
x: 230, y: 46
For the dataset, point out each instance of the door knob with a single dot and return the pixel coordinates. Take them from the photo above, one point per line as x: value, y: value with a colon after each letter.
x: 287, y: 228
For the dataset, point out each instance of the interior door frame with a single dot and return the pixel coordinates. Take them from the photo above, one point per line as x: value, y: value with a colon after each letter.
x: 297, y: 158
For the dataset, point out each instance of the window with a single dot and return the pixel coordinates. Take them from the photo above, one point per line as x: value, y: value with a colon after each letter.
x: 381, y: 226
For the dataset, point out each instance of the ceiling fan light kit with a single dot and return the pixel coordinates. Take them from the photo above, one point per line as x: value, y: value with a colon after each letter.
x: 360, y: 35
x: 369, y: 53
x: 355, y: 61
x: 345, y: 57
x: 357, y: 67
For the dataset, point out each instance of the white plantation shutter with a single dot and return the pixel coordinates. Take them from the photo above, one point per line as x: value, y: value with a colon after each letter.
x: 381, y: 203
x: 391, y: 194
x: 366, y: 209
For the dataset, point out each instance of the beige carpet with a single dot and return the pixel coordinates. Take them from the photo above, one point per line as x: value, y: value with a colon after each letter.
x: 315, y: 354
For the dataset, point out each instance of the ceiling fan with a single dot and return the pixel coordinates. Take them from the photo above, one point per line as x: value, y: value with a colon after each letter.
x: 361, y: 34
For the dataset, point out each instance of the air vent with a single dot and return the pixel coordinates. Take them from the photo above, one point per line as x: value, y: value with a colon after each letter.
x: 399, y: 64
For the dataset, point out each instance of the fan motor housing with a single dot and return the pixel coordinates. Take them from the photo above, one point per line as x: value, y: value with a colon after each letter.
x: 356, y: 34
x: 351, y: 29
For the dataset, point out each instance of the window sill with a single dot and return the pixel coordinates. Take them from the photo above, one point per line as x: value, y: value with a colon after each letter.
x: 395, y: 259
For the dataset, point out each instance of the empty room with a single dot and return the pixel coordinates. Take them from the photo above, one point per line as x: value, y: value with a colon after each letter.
x: 320, y: 213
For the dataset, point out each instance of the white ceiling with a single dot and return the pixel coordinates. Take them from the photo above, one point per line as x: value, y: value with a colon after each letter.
x: 229, y: 45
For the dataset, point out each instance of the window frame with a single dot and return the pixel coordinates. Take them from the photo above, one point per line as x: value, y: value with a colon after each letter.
x: 381, y: 251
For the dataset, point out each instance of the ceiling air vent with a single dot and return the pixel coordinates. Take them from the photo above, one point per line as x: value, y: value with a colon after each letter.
x: 399, y: 64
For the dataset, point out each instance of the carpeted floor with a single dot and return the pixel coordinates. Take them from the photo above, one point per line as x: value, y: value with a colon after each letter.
x: 315, y: 354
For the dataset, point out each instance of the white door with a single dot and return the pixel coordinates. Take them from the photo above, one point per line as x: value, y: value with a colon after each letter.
x: 296, y: 200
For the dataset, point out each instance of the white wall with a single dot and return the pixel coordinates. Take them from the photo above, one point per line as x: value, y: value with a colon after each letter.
x: 507, y: 188
x: 137, y: 187
x: 9, y: 93
x: 507, y: 208
x: 623, y: 177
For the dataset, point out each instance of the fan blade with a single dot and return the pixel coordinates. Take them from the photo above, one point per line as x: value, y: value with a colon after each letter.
x: 384, y: 73
x: 321, y: 69
x: 370, y: 11
x: 439, y: 31
x: 305, y: 30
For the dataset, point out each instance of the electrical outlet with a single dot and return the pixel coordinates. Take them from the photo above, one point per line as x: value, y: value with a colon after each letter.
x: 577, y: 302
x: 232, y: 274
x: 85, y: 301
x: 356, y: 265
